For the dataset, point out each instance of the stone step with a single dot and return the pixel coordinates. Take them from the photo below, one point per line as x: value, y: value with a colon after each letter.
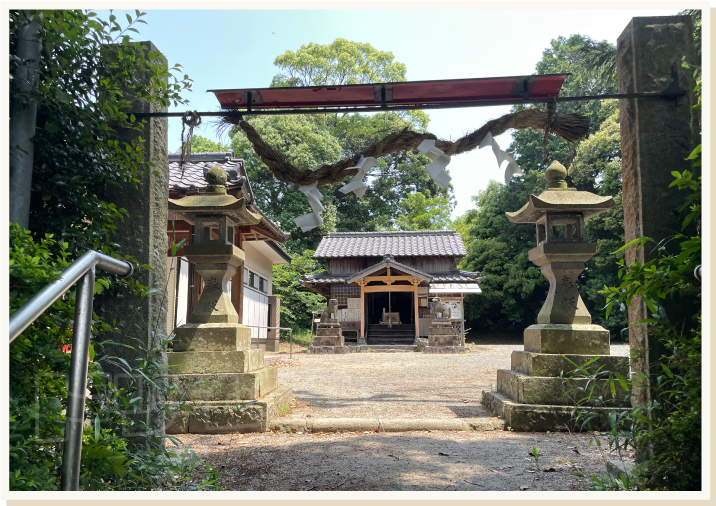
x: 222, y: 417
x: 201, y: 362
x: 550, y: 364
x: 539, y: 418
x: 390, y: 342
x: 224, y: 386
x: 383, y: 348
x: 542, y: 390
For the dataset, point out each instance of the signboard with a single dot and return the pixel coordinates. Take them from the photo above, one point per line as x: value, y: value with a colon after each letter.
x: 455, y: 306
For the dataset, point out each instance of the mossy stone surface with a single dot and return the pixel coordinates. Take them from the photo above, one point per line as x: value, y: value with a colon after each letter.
x: 225, y: 386
x: 212, y: 337
x: 567, y: 339
x: 205, y: 362
x: 548, y: 364
x: 541, y: 390
x: 221, y: 417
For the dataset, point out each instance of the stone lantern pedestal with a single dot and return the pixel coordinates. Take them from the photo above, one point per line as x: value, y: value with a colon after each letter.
x: 531, y: 395
x: 212, y: 363
x: 329, y: 336
x: 442, y: 337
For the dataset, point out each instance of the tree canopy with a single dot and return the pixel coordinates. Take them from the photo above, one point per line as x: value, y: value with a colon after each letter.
x: 308, y: 141
x: 338, y: 63
x: 514, y: 289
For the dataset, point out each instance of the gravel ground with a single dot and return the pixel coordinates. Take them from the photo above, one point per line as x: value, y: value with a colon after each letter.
x: 400, y: 385
x: 396, y: 385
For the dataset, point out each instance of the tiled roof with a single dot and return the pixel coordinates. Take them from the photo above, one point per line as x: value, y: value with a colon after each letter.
x: 457, y: 276
x: 322, y: 277
x: 378, y: 244
x: 194, y: 173
x: 193, y: 179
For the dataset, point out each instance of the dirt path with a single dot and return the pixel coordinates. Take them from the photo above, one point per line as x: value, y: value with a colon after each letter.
x: 477, y: 461
x: 399, y: 385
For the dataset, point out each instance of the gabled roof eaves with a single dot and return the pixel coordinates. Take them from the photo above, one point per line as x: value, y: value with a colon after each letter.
x: 378, y: 244
x: 392, y: 264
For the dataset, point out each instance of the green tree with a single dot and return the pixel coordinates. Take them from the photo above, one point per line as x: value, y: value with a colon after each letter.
x: 87, y: 70
x: 597, y: 169
x: 565, y: 54
x: 421, y: 213
x: 338, y: 63
x: 306, y: 144
x: 201, y: 144
x: 514, y: 289
x: 312, y: 140
x: 297, y: 301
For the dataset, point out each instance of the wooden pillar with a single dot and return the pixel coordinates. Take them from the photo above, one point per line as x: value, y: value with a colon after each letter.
x: 415, y: 283
x: 361, y: 337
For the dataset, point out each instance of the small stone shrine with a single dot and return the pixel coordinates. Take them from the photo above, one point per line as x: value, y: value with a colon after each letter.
x: 329, y: 336
x: 442, y: 337
x: 531, y: 396
x: 212, y: 362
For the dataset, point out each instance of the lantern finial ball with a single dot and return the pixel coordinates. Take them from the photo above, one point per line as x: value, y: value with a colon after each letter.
x: 556, y: 176
x: 216, y: 177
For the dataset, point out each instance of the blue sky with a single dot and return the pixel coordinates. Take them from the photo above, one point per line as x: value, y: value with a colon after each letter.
x: 236, y: 49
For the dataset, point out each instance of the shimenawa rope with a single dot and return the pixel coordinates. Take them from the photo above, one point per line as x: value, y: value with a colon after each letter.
x: 568, y: 126
x: 190, y: 119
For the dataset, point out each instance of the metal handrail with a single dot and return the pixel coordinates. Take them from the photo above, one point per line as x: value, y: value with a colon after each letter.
x: 290, y: 350
x: 81, y: 270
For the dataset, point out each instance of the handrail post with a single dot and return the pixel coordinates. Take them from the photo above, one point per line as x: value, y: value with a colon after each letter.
x: 79, y: 362
x: 290, y: 349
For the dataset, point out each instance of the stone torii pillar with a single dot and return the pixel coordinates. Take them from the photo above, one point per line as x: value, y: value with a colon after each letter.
x: 656, y: 137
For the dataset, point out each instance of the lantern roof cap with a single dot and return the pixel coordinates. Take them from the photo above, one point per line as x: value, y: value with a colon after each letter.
x: 559, y: 198
x: 215, y: 202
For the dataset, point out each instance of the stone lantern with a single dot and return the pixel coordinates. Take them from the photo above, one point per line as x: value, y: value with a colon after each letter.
x: 211, y: 360
x: 531, y: 396
x: 214, y: 213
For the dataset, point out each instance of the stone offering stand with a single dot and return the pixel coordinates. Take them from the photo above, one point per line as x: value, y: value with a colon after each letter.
x: 531, y: 396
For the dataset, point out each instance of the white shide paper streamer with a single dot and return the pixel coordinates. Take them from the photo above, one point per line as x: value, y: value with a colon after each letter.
x: 436, y: 170
x: 511, y: 168
x: 356, y: 185
x: 312, y: 220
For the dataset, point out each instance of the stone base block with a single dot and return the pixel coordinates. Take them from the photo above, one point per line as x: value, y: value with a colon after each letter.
x: 445, y: 340
x: 420, y: 344
x: 573, y: 339
x: 212, y: 337
x: 332, y: 340
x: 331, y: 350
x: 445, y: 349
x: 203, y: 362
x: 545, y: 364
x: 534, y: 418
x: 224, y: 386
x: 555, y: 391
x: 272, y: 344
x: 233, y: 417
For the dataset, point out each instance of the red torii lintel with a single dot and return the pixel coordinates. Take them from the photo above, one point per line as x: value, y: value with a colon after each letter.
x: 387, y: 95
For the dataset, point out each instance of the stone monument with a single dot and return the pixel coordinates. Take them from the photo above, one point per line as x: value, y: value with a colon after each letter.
x: 329, y: 336
x: 442, y: 337
x: 211, y: 361
x: 531, y: 396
